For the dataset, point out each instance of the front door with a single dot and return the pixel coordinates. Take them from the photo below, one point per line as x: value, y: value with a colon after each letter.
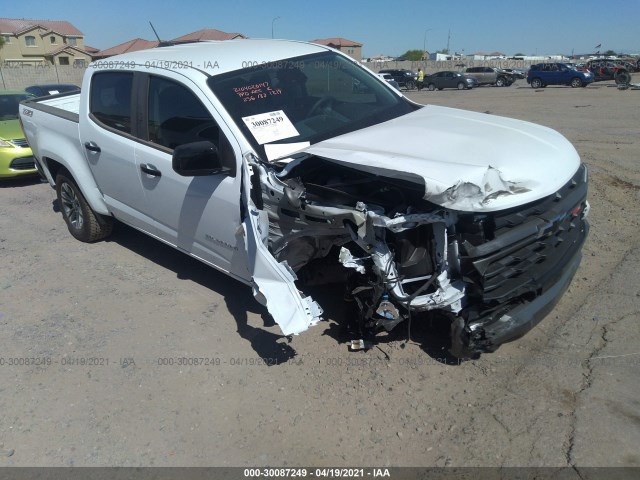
x: 201, y: 214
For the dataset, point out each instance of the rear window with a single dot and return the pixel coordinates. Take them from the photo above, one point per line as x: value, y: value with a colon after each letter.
x: 110, y: 101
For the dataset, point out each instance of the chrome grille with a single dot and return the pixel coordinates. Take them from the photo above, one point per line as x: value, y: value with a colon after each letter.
x: 20, y: 142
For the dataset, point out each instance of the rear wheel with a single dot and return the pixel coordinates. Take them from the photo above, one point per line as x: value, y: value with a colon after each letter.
x: 622, y: 77
x: 536, y: 83
x: 576, y: 82
x: 83, y: 223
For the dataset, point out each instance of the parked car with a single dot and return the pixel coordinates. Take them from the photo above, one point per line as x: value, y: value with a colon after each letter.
x: 51, y: 89
x: 405, y: 78
x: 16, y: 158
x: 516, y: 73
x: 604, y: 69
x: 389, y: 79
x: 280, y: 173
x: 543, y: 74
x: 491, y: 76
x: 449, y: 79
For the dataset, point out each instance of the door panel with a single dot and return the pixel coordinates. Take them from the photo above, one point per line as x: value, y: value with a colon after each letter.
x: 110, y: 147
x: 199, y: 215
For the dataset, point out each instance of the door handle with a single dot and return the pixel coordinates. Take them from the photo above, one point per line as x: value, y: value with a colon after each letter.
x: 150, y: 170
x: 91, y: 146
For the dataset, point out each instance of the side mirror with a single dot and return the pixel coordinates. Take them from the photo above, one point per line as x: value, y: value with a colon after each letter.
x: 197, y: 159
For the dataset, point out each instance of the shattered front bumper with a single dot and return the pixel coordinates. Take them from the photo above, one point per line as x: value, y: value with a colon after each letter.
x: 512, y: 325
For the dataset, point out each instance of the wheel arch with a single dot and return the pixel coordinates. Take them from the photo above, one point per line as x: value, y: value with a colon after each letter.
x: 77, y: 169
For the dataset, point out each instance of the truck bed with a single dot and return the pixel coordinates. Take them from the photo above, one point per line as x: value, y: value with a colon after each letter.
x: 65, y: 105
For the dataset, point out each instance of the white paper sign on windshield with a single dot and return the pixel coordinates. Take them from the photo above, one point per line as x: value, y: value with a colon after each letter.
x: 280, y: 150
x: 270, y: 127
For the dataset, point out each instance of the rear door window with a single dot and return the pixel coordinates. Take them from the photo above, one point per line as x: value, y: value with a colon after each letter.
x: 110, y: 100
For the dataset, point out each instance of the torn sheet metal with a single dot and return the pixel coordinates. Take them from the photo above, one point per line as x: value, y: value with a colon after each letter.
x: 468, y: 196
x: 511, y: 162
x: 349, y: 261
x: 273, y: 282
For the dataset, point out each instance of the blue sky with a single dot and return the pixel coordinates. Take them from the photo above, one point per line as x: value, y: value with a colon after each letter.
x: 384, y: 27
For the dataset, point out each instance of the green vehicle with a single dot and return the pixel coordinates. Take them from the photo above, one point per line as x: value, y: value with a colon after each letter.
x: 16, y: 158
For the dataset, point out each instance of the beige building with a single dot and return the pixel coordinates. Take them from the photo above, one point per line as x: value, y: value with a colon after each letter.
x: 42, y: 42
x: 351, y: 48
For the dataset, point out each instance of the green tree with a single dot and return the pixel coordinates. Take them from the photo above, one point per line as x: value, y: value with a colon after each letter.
x: 444, y: 51
x: 518, y: 54
x: 413, y: 55
x: 1, y: 42
x: 610, y: 53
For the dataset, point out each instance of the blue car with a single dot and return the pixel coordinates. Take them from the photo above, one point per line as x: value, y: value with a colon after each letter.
x: 544, y: 74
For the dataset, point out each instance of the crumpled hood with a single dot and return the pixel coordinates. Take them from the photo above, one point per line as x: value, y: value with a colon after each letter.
x: 467, y: 161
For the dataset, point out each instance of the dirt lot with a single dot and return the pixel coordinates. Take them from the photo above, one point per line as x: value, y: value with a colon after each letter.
x: 565, y: 394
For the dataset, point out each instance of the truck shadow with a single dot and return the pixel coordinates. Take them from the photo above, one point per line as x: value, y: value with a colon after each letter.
x: 18, y: 182
x: 430, y: 332
x: 271, y: 347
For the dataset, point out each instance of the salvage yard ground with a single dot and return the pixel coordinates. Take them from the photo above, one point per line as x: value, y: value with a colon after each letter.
x: 105, y: 336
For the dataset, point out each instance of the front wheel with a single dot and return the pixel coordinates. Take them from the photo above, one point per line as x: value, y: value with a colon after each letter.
x: 536, y: 83
x: 461, y: 86
x: 83, y: 223
x: 410, y: 85
x: 431, y: 87
x: 576, y: 82
x: 501, y: 82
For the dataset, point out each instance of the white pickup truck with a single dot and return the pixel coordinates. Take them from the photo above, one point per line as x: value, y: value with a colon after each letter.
x: 279, y: 161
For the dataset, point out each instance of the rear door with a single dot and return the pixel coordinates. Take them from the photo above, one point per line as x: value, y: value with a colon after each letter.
x: 109, y: 142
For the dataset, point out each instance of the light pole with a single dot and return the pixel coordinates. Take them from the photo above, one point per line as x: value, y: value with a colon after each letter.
x: 424, y: 43
x: 272, y: 22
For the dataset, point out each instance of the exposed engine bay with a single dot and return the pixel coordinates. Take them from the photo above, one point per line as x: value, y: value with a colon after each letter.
x: 397, y: 253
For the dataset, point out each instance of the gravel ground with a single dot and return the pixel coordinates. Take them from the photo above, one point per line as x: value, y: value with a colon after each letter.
x: 567, y: 394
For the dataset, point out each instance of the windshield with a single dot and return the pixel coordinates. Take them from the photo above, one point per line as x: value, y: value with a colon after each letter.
x: 304, y: 100
x: 9, y: 105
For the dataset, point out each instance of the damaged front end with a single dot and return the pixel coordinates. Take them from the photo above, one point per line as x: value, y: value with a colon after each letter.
x: 494, y: 275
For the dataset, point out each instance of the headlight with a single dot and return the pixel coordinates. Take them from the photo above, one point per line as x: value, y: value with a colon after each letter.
x: 4, y: 143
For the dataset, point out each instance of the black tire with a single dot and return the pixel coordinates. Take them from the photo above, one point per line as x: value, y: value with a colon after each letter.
x: 461, y: 86
x: 501, y: 82
x: 576, y: 82
x: 431, y: 87
x: 622, y: 77
x: 83, y: 223
x: 536, y: 83
x: 410, y: 85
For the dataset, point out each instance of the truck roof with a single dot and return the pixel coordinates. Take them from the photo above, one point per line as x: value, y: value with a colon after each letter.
x: 216, y: 57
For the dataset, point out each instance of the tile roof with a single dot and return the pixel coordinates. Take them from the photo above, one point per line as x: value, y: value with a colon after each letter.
x: 207, y: 34
x: 66, y: 48
x: 18, y: 25
x: 336, y: 41
x: 130, y: 46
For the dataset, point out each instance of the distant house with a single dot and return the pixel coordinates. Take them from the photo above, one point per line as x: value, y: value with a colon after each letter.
x: 42, y: 42
x: 207, y: 34
x: 129, y: 46
x: 141, y: 44
x: 351, y: 48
